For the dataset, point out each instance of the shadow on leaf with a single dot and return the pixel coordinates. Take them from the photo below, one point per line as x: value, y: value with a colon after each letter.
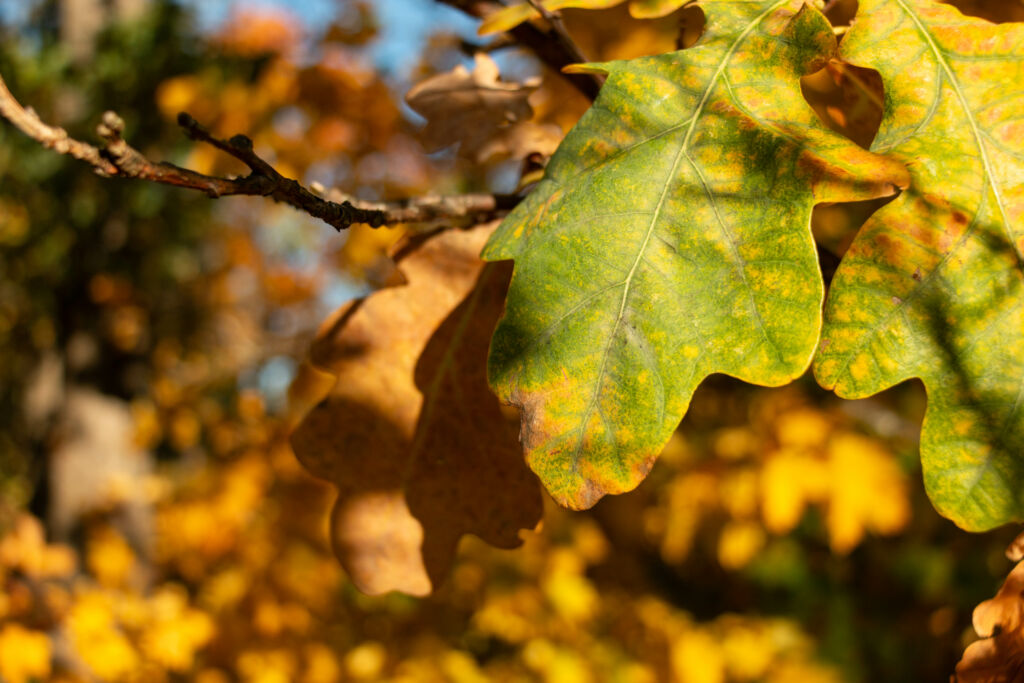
x: 444, y: 461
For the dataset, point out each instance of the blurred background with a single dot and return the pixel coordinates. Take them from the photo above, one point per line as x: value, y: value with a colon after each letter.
x: 154, y: 523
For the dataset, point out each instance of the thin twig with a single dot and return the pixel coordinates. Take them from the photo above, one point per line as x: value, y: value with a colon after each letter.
x: 57, y: 139
x: 117, y: 158
x: 269, y: 183
x: 470, y: 209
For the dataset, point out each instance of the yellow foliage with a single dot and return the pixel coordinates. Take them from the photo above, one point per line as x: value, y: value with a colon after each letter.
x: 272, y: 618
x: 869, y: 491
x: 739, y: 543
x: 267, y: 666
x: 853, y: 477
x: 738, y: 492
x: 766, y: 475
x: 735, y: 443
x: 24, y: 654
x: 689, y: 495
x: 184, y: 429
x: 511, y: 617
x: 321, y: 664
x: 146, y: 419
x: 225, y: 589
x: 803, y: 428
x: 555, y: 664
x: 25, y: 548
x: 697, y: 657
x: 790, y: 480
x: 366, y: 661
x: 98, y: 640
x: 589, y: 542
x: 459, y: 667
x: 571, y: 595
x: 748, y: 650
x: 177, y: 94
x: 365, y: 252
x: 174, y: 631
x: 109, y: 557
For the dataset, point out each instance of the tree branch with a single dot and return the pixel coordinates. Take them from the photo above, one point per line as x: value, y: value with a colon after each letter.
x: 57, y: 139
x: 554, y: 20
x: 116, y: 158
x: 556, y: 50
x: 468, y: 209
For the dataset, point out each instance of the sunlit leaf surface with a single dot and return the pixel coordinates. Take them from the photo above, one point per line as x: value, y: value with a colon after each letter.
x: 670, y: 240
x: 932, y: 286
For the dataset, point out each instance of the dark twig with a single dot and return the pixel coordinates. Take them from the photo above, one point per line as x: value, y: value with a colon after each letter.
x: 502, y: 42
x: 117, y: 158
x: 556, y: 51
x: 554, y: 20
x: 550, y: 50
x: 265, y: 180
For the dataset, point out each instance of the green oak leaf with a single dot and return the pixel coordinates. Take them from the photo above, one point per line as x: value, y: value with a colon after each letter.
x: 932, y: 287
x: 670, y: 239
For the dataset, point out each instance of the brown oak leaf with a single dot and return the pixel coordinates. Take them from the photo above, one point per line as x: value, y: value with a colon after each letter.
x: 473, y: 108
x: 410, y: 434
x: 999, y: 656
x: 520, y: 141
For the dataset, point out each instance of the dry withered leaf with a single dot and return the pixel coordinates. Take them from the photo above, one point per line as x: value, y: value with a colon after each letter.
x: 470, y: 107
x: 410, y: 434
x: 999, y: 656
x: 1015, y: 551
x: 520, y: 141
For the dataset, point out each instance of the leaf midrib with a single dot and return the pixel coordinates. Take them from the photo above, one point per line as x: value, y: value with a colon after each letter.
x: 627, y: 284
x: 989, y: 179
x: 954, y: 83
x: 430, y: 396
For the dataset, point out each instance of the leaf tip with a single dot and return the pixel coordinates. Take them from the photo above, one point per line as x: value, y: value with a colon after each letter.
x: 586, y: 68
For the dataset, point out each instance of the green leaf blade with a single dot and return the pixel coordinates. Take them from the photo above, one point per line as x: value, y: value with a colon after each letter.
x: 670, y: 240
x: 932, y: 286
